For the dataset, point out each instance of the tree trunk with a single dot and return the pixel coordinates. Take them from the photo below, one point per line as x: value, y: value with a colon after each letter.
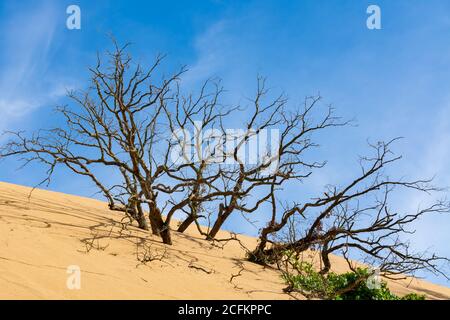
x: 224, y: 213
x: 166, y: 237
x: 154, y: 227
x: 258, y: 255
x: 218, y: 224
x: 161, y: 229
x: 134, y: 211
x: 325, y: 259
x: 142, y: 223
x: 271, y: 254
x: 186, y: 223
x: 140, y: 217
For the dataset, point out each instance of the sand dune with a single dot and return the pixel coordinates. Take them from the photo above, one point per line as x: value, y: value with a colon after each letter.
x: 42, y: 235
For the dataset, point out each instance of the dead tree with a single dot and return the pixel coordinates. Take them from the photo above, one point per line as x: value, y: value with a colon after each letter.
x: 282, y: 161
x: 52, y: 148
x: 356, y: 219
x: 195, y: 165
x: 123, y: 124
x: 113, y: 125
x: 127, y: 122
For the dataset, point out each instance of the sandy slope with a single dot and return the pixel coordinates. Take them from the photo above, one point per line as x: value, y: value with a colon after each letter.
x: 41, y: 236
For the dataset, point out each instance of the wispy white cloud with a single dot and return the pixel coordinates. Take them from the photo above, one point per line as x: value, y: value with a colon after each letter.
x: 438, y: 151
x: 431, y: 156
x: 212, y: 47
x: 27, y: 37
x: 433, y: 162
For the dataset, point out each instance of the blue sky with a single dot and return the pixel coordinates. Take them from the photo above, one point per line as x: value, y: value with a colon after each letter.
x: 394, y: 81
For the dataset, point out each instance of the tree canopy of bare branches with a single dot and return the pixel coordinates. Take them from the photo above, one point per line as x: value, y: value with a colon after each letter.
x: 167, y: 152
x: 357, y: 218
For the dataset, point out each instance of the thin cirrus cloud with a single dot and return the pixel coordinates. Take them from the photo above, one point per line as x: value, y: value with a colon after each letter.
x: 27, y: 41
x: 211, y: 53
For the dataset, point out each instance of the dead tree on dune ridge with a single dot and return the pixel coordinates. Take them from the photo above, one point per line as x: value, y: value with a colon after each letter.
x: 128, y: 134
x: 114, y: 125
x: 356, y: 220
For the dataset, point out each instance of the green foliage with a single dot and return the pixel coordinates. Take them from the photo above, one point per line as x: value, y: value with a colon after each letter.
x: 346, y: 286
x: 414, y: 296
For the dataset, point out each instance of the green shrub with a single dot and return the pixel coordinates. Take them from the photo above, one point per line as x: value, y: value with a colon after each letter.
x: 414, y: 296
x: 346, y: 286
